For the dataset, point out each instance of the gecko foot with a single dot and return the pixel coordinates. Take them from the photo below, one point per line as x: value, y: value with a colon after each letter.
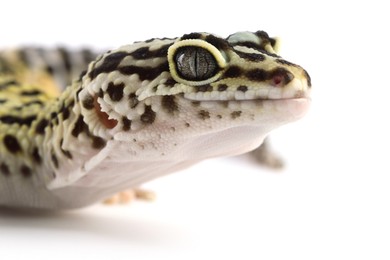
x: 127, y: 196
x: 267, y: 157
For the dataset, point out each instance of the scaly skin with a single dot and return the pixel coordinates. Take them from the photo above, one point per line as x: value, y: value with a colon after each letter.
x: 139, y: 112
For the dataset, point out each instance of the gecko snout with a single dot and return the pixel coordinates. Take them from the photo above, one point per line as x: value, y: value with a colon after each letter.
x: 280, y: 77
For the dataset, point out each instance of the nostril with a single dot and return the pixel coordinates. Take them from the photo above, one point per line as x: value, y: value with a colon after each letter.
x: 280, y: 77
x: 277, y: 80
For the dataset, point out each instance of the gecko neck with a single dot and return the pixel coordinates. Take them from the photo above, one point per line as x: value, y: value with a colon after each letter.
x: 67, y: 139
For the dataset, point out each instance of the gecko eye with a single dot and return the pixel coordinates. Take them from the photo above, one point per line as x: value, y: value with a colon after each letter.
x: 195, y: 63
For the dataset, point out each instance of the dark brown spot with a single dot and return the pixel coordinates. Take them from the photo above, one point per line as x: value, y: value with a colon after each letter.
x: 144, y: 73
x: 54, y: 160
x: 53, y: 115
x: 236, y: 114
x: 148, y: 116
x: 219, y: 43
x: 26, y: 171
x: 5, y: 85
x: 219, y: 116
x: 126, y: 124
x: 191, y: 36
x: 36, y: 156
x: 203, y: 114
x: 34, y: 102
x: 232, y: 72
x: 170, y: 82
x: 284, y: 62
x: 65, y: 152
x: 263, y: 35
x: 222, y: 87
x: 33, y: 92
x: 169, y: 104
x: 257, y: 75
x: 79, y: 127
x: 205, y: 88
x: 145, y: 53
x: 140, y: 53
x: 187, y: 124
x: 257, y: 47
x: 88, y: 102
x: 40, y: 127
x: 49, y: 69
x: 98, y: 142
x: 82, y: 74
x: 65, y: 113
x: 4, y: 169
x: 242, y: 88
x: 195, y: 103
x: 255, y: 57
x: 133, y: 100
x: 150, y: 40
x: 110, y: 63
x: 101, y: 93
x: 12, y: 144
x: 115, y: 91
x: 17, y: 120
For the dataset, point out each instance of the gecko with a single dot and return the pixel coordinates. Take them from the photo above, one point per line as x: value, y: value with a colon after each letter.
x: 77, y: 127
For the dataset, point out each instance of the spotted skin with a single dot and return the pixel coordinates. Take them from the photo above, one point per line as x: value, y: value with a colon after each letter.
x: 136, y: 113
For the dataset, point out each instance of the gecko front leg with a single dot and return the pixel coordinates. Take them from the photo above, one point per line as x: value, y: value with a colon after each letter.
x: 127, y: 196
x: 267, y: 157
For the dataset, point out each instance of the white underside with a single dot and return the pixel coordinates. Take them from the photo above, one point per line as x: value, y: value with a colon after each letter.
x: 103, y: 176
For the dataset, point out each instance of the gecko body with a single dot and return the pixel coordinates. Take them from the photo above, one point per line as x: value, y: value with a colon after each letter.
x: 136, y: 113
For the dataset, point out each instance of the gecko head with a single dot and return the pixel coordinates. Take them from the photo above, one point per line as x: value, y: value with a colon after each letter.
x: 197, y: 83
x: 243, y: 66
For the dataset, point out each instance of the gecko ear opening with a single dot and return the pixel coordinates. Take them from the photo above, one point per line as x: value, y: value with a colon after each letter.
x: 103, y: 116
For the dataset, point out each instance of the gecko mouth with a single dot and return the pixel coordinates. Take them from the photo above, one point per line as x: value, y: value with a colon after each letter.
x: 267, y: 94
x: 295, y: 90
x: 294, y: 105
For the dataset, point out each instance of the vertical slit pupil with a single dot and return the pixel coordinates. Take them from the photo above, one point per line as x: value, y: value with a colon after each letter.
x: 195, y: 63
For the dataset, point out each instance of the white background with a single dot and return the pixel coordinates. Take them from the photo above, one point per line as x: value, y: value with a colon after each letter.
x: 332, y: 200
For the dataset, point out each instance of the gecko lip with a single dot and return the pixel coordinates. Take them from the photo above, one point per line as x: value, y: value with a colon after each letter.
x: 294, y: 107
x: 241, y: 96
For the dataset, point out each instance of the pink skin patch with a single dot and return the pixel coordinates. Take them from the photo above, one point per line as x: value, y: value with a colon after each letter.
x: 277, y: 80
x: 103, y: 116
